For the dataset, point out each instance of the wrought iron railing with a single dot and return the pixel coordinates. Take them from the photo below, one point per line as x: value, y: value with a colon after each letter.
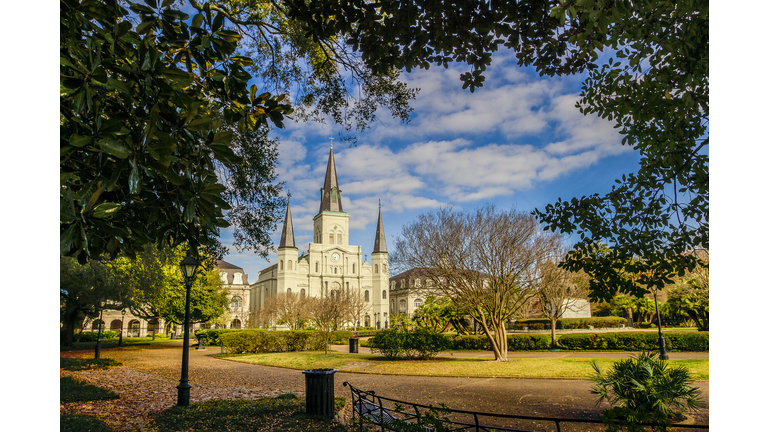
x: 395, y: 415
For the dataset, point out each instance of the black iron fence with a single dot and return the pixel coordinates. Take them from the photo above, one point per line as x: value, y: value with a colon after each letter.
x: 395, y: 415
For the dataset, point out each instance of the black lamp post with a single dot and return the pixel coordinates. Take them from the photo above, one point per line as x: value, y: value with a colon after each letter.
x: 120, y: 341
x: 188, y: 268
x: 102, y: 303
x: 662, y: 345
x: 298, y: 321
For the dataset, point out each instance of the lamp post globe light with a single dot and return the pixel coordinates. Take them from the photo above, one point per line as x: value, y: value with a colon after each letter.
x: 188, y: 268
x: 102, y: 303
x: 122, y: 322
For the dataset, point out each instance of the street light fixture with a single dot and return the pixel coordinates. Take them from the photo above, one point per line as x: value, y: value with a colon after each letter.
x: 188, y: 268
x: 102, y: 303
x: 120, y: 342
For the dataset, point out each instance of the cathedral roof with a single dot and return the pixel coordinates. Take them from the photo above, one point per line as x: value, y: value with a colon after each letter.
x: 380, y: 242
x: 287, y: 239
x: 331, y: 194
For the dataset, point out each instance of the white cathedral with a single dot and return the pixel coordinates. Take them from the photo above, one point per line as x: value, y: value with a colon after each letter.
x: 331, y: 264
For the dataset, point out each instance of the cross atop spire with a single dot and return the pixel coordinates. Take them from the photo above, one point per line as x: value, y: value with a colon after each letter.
x: 331, y: 138
x: 330, y: 195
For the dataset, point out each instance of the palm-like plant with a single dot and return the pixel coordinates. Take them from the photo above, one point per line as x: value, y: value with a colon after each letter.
x: 644, y: 389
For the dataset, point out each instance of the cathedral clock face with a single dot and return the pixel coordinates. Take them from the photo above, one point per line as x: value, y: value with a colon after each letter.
x: 335, y: 257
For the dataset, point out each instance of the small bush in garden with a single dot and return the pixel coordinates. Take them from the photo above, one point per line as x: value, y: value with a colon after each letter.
x: 91, y: 336
x: 417, y: 344
x: 339, y: 336
x: 528, y: 342
x: 644, y: 389
x: 388, y: 342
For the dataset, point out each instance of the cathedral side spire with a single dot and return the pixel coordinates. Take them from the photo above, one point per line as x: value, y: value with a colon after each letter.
x: 330, y: 199
x: 287, y: 240
x: 380, y: 242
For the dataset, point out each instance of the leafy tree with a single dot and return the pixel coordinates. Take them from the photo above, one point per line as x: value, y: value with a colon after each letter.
x: 487, y: 262
x: 557, y: 293
x: 158, y: 289
x: 141, y: 133
x: 647, y: 67
x: 689, y: 296
x: 434, y: 315
x: 81, y: 289
x: 324, y: 76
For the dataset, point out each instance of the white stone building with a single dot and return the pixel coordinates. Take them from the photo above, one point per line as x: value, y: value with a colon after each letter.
x: 331, y: 263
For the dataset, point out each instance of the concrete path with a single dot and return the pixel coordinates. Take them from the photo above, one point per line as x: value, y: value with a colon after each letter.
x: 534, y: 397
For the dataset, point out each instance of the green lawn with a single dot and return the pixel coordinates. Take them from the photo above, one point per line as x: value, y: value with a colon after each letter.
x: 579, y: 368
x: 284, y: 413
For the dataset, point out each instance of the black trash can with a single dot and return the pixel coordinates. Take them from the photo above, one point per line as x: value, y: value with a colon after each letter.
x: 353, y: 344
x: 319, y: 389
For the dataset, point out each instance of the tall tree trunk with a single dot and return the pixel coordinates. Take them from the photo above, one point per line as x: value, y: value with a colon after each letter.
x: 553, y: 324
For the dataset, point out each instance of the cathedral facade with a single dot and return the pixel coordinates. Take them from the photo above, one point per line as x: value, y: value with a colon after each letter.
x: 331, y: 264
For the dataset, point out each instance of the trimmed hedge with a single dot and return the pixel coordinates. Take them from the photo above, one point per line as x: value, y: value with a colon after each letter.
x: 569, y: 323
x: 418, y: 344
x: 262, y: 341
x: 514, y: 342
x: 620, y: 341
x: 91, y: 336
x: 646, y: 341
x: 213, y: 336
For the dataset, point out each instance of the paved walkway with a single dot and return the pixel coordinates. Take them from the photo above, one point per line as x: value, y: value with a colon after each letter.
x: 534, y: 397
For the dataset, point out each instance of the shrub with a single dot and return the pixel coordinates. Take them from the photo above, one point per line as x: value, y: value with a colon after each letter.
x: 261, y: 341
x: 213, y: 336
x: 418, y: 344
x: 631, y: 341
x: 91, y: 336
x: 644, y: 389
x: 528, y: 342
x: 569, y: 323
x: 339, y: 336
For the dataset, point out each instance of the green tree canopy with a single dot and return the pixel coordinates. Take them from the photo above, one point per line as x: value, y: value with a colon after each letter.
x: 141, y: 132
x: 647, y: 66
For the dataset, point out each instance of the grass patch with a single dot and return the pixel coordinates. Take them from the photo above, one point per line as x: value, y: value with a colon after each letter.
x: 82, y: 423
x: 302, y: 359
x: 79, y: 364
x: 578, y: 368
x: 72, y: 390
x: 283, y: 413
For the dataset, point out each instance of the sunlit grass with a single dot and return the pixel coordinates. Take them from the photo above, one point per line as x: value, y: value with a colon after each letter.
x: 576, y: 368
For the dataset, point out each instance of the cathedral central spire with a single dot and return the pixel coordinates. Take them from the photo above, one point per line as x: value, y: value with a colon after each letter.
x: 379, y: 243
x: 330, y: 198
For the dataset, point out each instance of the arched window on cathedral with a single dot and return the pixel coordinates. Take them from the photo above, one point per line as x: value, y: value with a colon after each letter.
x: 383, y: 294
x: 303, y: 292
x: 375, y: 268
x: 367, y: 296
x: 338, y: 238
x: 317, y: 266
x: 236, y: 303
x: 281, y: 264
x: 353, y: 268
x: 290, y: 265
x: 330, y: 238
x: 334, y: 270
x: 288, y: 290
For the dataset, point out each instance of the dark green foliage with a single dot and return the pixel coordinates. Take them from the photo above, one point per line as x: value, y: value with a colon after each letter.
x: 143, y: 129
x: 91, y: 336
x: 72, y: 390
x: 82, y: 423
x: 213, y: 336
x: 416, y: 344
x: 644, y: 389
x: 569, y: 323
x: 514, y: 342
x: 285, y: 413
x: 635, y: 341
x: 78, y: 364
x: 262, y: 341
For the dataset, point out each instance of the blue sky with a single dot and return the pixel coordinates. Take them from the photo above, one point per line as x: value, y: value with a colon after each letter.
x: 519, y: 141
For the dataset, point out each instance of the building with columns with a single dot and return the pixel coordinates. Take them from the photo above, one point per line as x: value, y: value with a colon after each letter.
x: 331, y: 264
